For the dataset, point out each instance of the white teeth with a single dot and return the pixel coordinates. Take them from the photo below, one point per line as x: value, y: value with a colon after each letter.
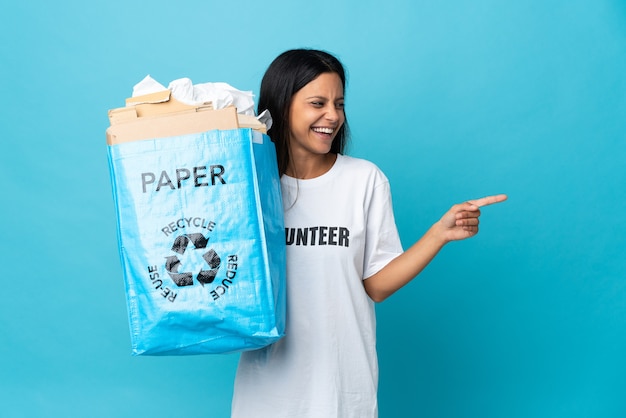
x: 324, y: 130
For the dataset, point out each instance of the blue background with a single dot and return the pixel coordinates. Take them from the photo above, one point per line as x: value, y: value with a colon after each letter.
x: 453, y: 100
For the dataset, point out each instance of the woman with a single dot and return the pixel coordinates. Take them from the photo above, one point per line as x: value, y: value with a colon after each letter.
x: 343, y: 253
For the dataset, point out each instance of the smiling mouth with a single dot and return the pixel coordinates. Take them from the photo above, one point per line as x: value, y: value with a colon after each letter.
x: 327, y: 131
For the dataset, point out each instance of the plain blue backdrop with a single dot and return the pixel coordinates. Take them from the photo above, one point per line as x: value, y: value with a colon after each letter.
x: 453, y: 100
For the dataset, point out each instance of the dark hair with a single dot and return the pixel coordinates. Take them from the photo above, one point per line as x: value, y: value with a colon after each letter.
x: 286, y: 75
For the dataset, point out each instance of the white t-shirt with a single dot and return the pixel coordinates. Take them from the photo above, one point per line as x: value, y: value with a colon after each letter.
x: 340, y: 229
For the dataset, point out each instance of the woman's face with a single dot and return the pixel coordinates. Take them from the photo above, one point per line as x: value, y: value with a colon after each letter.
x: 316, y: 115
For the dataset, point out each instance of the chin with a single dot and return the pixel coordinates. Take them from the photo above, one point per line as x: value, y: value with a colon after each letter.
x: 323, y: 150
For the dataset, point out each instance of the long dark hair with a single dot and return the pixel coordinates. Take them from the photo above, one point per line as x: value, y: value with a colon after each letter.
x: 286, y: 75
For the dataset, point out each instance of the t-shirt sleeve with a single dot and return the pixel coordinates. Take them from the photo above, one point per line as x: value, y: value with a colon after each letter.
x: 382, y: 242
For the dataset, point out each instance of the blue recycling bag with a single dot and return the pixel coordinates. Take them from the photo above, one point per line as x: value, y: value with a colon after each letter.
x: 201, y: 239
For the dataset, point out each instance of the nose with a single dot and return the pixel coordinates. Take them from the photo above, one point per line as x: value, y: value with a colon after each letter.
x: 332, y: 113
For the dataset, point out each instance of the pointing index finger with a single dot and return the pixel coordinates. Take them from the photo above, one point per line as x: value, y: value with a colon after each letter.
x: 488, y: 200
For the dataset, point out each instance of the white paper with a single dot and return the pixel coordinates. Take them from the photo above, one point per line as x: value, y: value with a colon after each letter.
x: 147, y: 86
x: 220, y: 95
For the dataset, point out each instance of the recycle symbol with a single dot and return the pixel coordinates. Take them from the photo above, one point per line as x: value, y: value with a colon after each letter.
x: 204, y: 276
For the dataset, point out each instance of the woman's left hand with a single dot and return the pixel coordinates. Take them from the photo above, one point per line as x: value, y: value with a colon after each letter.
x: 461, y: 221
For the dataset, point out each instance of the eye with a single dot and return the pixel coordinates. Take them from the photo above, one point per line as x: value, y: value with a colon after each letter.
x: 339, y: 105
x: 317, y: 104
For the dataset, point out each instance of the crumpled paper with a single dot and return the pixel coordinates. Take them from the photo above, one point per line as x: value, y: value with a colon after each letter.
x: 220, y: 95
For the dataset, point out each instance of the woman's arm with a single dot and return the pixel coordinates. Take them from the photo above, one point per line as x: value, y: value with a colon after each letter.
x: 460, y: 222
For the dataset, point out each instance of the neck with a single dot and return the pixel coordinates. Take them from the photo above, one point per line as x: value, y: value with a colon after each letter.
x: 311, y: 166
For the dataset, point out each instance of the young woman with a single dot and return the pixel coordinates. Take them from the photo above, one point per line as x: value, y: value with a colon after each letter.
x: 343, y: 253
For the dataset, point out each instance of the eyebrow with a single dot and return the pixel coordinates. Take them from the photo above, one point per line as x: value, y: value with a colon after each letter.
x: 324, y: 98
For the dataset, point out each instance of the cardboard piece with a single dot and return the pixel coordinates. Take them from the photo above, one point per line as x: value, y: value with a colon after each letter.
x: 159, y: 115
x: 160, y: 103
